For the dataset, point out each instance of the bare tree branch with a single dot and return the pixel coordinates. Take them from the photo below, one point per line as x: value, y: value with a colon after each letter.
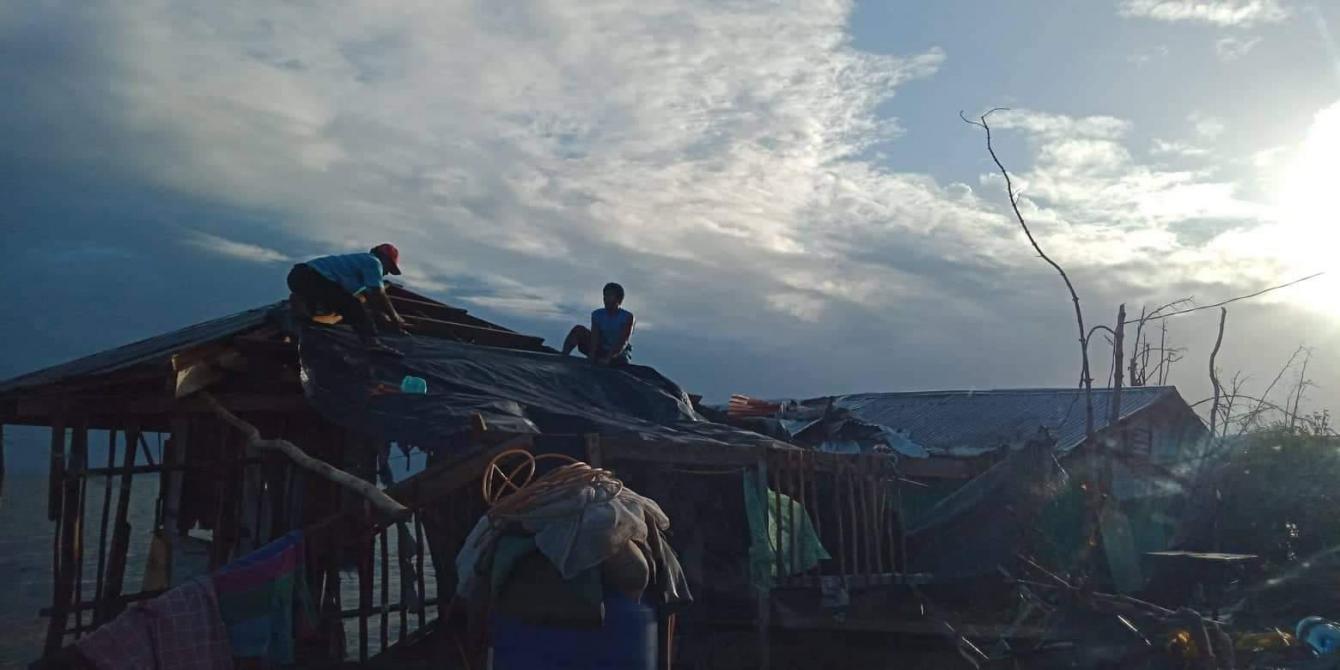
x: 1214, y: 375
x: 370, y: 492
x: 1085, y: 378
x: 1221, y: 303
x: 1256, y: 411
x: 1302, y: 384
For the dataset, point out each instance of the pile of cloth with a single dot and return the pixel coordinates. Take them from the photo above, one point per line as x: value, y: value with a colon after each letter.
x: 251, y: 608
x: 549, y: 552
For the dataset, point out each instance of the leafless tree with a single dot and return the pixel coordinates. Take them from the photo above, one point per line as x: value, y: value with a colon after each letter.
x: 1085, y: 378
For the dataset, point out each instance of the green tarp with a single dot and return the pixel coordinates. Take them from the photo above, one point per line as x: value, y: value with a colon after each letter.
x: 764, y: 562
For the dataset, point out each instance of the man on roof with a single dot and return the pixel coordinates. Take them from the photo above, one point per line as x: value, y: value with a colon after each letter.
x: 352, y: 286
x: 608, y: 340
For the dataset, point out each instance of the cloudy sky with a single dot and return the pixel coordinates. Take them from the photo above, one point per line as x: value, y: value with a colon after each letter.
x: 784, y: 187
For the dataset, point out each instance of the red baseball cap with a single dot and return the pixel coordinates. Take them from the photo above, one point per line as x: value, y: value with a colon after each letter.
x: 390, y: 256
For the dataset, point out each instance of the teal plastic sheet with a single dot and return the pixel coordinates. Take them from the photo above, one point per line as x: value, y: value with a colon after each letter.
x: 763, y: 525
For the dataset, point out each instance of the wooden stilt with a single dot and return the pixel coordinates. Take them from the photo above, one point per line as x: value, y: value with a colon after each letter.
x: 385, y: 627
x: 56, y: 467
x: 102, y: 525
x: 79, y: 458
x: 108, y: 605
x: 68, y: 540
x: 364, y: 596
x: 2, y: 461
x: 764, y: 621
x: 423, y: 592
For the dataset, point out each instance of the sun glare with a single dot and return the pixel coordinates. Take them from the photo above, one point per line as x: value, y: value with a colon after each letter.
x: 1309, y: 210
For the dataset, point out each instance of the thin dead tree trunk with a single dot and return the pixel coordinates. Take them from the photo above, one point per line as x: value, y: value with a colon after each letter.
x: 1214, y: 375
x: 1118, y: 349
x: 1086, y: 380
x: 1298, y: 395
x: 1137, y: 379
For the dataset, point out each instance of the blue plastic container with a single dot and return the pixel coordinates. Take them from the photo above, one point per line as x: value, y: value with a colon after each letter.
x: 627, y: 641
x: 412, y: 384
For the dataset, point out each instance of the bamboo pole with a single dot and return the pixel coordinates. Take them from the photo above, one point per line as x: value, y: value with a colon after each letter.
x: 374, y: 495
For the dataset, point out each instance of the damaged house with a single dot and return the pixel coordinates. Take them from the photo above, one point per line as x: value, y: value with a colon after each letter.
x: 793, y: 522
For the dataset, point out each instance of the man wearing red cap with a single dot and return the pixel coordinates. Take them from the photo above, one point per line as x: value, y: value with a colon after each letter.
x: 350, y: 285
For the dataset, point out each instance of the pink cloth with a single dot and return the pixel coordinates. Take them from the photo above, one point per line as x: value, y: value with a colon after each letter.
x: 180, y: 629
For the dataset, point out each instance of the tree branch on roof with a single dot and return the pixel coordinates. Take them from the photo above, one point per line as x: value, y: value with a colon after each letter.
x: 367, y: 490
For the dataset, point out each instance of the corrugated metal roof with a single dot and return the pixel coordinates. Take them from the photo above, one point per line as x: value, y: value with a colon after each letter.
x: 967, y: 421
x: 144, y: 351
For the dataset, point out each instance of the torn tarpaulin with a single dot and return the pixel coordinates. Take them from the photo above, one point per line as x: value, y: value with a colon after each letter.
x: 513, y: 391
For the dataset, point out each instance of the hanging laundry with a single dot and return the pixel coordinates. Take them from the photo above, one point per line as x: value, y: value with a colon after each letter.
x: 179, y: 630
x: 264, y: 601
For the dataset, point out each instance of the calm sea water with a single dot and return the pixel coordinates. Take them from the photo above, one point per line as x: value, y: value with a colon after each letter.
x: 26, y: 557
x: 26, y: 552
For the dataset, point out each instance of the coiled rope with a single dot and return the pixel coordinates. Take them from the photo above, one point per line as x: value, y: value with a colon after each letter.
x: 513, y: 492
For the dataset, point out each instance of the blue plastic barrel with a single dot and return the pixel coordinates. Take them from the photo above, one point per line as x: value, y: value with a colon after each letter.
x: 627, y: 641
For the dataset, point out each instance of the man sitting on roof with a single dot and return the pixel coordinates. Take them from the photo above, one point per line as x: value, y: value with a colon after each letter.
x: 347, y: 285
x: 607, y: 342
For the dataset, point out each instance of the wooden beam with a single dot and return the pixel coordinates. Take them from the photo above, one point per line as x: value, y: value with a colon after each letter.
x: 442, y: 479
x: 939, y: 468
x: 472, y: 334
x: 407, y: 306
x: 614, y: 449
x: 29, y: 408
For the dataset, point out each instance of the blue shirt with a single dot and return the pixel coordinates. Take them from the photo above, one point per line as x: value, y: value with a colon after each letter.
x: 354, y: 273
x: 610, y: 326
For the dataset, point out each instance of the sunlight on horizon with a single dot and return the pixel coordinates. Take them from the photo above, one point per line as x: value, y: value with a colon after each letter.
x: 1309, y: 230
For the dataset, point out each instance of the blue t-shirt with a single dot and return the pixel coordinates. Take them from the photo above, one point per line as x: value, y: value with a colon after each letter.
x: 610, y: 327
x: 354, y: 273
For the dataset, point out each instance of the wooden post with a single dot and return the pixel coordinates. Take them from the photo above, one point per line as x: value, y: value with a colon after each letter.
x: 1118, y: 350
x: 56, y: 467
x: 777, y: 550
x: 385, y: 626
x: 364, y: 595
x: 423, y: 591
x: 2, y: 461
x: 594, y: 455
x: 171, y: 492
x: 68, y: 539
x: 116, y: 566
x: 102, y: 526
x: 79, y: 465
x: 764, y: 622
